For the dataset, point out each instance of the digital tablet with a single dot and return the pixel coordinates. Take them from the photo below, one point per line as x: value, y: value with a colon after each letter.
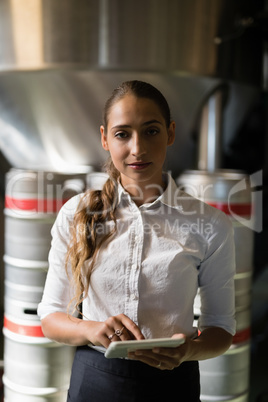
x: 122, y: 348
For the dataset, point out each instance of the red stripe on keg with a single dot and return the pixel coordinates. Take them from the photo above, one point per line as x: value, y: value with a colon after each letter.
x: 241, y: 336
x: 238, y: 209
x: 34, y: 204
x: 26, y: 330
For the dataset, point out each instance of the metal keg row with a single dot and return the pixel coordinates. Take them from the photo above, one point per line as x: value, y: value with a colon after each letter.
x: 226, y: 378
x: 35, y: 368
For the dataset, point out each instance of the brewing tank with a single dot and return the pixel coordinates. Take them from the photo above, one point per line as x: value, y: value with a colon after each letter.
x: 203, y: 37
x: 60, y: 60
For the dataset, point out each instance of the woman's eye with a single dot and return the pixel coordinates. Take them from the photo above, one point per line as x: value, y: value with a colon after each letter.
x: 152, y: 131
x: 121, y: 134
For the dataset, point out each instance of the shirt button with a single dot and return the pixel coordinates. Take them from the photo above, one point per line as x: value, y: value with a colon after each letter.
x: 132, y: 297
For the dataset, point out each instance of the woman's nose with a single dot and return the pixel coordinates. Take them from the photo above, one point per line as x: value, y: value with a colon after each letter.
x: 138, y: 146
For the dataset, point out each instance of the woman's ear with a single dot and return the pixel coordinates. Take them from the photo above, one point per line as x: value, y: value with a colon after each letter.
x: 171, y: 133
x: 104, y: 142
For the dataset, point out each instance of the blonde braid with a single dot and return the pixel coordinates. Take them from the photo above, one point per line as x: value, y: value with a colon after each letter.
x: 95, y: 208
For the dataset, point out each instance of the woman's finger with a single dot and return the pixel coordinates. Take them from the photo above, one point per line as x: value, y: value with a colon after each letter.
x: 121, y: 328
x: 133, y: 330
x: 153, y: 361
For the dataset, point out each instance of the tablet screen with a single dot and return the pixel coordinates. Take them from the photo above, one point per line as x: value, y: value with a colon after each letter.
x: 122, y: 348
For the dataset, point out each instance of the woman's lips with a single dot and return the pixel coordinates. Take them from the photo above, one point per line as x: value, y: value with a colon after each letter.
x: 139, y: 165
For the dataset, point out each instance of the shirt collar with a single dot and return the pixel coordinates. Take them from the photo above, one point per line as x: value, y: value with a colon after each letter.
x: 169, y: 197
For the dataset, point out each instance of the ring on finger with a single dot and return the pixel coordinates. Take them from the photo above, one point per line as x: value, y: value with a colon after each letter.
x: 159, y: 365
x: 118, y: 332
x: 110, y: 337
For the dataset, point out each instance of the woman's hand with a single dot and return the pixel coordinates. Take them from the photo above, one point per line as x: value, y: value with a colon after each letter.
x: 63, y: 328
x: 117, y: 328
x: 163, y: 358
x: 210, y: 343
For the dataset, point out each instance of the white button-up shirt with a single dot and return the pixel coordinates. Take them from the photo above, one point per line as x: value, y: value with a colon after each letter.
x: 152, y: 267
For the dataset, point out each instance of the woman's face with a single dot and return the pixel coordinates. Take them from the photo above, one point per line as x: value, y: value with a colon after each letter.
x: 137, y: 138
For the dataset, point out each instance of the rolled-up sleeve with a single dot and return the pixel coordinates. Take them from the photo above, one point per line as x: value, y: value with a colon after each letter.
x: 58, y: 292
x: 216, y: 278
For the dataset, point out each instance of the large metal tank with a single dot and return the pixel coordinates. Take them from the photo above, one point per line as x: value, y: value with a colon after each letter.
x: 60, y: 60
x: 153, y: 35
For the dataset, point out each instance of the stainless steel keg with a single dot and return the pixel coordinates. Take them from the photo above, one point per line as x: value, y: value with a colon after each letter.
x: 227, y: 377
x: 35, y: 369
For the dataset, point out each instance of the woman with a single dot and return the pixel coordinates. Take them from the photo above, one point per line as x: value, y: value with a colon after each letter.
x: 133, y: 255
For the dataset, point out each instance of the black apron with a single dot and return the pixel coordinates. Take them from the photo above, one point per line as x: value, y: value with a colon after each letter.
x: 97, y: 379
